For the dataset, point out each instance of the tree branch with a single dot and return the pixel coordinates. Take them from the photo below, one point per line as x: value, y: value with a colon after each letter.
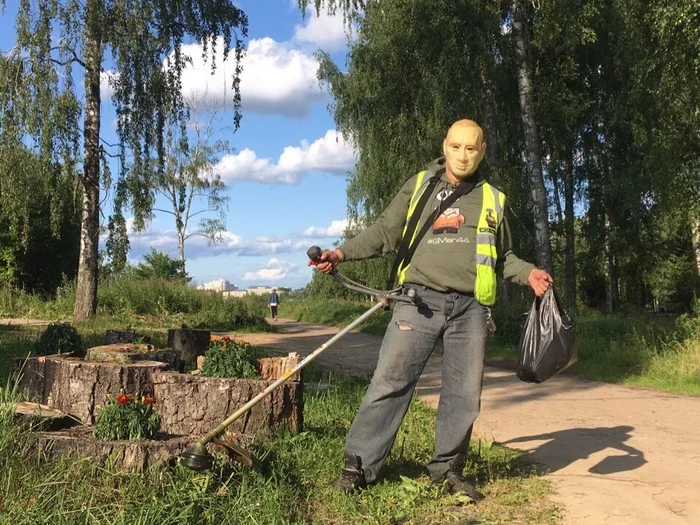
x: 75, y: 58
x: 163, y: 211
x: 211, y: 237
x: 201, y: 211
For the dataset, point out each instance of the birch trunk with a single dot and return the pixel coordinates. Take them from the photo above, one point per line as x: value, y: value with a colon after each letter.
x: 570, y: 236
x: 532, y: 143
x: 86, y: 291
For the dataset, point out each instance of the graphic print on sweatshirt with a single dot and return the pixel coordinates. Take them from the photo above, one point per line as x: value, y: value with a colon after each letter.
x: 449, y: 220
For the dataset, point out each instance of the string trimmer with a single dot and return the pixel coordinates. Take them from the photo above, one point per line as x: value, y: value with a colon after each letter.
x: 198, y: 458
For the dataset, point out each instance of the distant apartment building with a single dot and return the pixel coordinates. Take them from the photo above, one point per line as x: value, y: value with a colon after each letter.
x: 253, y: 290
x: 220, y: 285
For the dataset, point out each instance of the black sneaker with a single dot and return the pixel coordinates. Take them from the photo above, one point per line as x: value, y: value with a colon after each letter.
x: 455, y: 483
x: 352, y: 477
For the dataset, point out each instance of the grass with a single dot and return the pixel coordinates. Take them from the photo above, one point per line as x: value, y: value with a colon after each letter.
x: 639, y: 350
x: 334, y: 313
x: 146, y: 302
x: 290, y: 484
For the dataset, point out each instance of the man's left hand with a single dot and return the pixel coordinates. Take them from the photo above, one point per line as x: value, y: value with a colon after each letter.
x: 539, y: 281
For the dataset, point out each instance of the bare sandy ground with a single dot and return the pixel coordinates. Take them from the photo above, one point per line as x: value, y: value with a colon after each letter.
x: 615, y: 455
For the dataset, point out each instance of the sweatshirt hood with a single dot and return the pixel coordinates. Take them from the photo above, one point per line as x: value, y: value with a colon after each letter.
x: 436, y: 166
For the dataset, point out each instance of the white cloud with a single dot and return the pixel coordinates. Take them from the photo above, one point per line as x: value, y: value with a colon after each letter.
x: 336, y: 229
x: 276, y: 78
x: 325, y: 31
x: 329, y: 154
x: 198, y: 246
x: 106, y: 89
x: 275, y: 270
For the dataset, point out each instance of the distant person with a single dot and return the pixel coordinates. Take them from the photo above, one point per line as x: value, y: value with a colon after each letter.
x: 273, y: 302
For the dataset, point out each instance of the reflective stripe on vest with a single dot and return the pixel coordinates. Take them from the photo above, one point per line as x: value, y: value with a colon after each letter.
x: 490, y: 218
x: 486, y: 285
x: 418, y: 189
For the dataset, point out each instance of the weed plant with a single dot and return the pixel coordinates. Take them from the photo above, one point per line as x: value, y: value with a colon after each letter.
x: 59, y: 338
x: 227, y: 357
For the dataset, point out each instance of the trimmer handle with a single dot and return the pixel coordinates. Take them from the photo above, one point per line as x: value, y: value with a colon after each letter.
x: 314, y: 252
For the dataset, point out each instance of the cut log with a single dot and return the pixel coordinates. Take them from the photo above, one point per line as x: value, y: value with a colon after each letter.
x: 124, y: 353
x: 190, y: 344
x: 193, y: 404
x: 35, y: 417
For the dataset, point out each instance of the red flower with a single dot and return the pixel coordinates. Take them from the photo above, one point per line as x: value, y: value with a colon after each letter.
x: 148, y: 400
x: 226, y: 339
x: 123, y: 399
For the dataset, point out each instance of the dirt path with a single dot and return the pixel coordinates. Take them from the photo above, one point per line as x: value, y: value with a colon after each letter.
x: 617, y: 455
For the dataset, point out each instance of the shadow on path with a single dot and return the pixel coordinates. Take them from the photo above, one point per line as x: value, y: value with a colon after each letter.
x: 564, y: 447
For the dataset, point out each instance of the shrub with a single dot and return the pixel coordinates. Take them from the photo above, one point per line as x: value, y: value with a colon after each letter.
x: 229, y: 358
x: 127, y: 417
x: 59, y: 338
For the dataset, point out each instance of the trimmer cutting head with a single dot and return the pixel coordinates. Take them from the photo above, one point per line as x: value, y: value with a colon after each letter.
x: 197, y: 457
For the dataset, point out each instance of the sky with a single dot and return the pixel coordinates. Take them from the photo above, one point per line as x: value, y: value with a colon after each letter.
x: 286, y: 173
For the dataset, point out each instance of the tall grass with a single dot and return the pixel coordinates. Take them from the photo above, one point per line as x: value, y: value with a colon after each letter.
x: 290, y: 484
x: 144, y: 302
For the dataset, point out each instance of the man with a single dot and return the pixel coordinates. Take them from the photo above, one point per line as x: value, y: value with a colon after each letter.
x: 453, y: 270
x: 273, y: 302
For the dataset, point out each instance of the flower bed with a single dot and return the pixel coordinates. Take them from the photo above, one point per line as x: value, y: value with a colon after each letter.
x: 127, y: 416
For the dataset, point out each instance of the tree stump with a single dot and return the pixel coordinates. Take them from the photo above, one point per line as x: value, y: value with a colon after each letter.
x: 124, y: 455
x: 194, y: 405
x: 31, y: 376
x: 272, y: 368
x: 126, y: 353
x: 190, y: 344
x: 79, y: 387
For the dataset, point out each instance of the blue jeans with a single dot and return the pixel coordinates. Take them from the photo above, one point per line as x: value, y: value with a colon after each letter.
x: 461, y: 322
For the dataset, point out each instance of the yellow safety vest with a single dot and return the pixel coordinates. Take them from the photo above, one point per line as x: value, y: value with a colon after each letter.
x: 490, y: 218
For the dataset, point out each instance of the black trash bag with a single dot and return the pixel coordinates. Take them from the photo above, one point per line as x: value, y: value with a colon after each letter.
x: 546, y: 340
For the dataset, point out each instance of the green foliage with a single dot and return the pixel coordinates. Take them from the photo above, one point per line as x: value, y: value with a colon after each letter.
x: 617, y: 125
x: 160, y: 265
x: 127, y: 417
x: 408, y: 79
x: 227, y: 357
x: 59, y: 338
x: 39, y: 106
x: 39, y: 223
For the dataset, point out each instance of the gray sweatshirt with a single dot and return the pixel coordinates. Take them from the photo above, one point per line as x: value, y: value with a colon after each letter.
x: 445, y: 258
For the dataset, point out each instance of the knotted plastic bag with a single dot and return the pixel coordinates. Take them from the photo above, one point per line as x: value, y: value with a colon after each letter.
x: 546, y: 340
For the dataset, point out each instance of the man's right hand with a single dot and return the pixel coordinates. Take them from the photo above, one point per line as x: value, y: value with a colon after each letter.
x: 328, y: 260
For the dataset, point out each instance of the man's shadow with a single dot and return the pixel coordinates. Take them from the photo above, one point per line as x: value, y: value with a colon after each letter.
x: 564, y: 447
